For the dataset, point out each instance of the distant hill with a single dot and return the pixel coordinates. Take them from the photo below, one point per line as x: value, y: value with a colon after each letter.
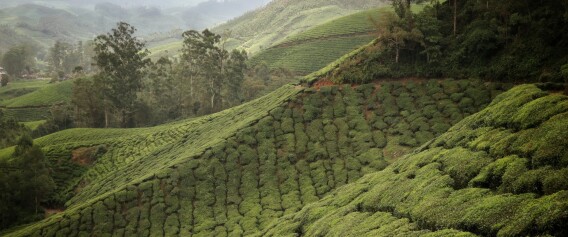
x: 45, y: 22
x: 268, y: 26
x: 315, y: 48
x: 262, y: 28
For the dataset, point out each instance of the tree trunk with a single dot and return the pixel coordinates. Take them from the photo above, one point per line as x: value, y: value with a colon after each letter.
x: 106, y: 117
x: 397, y: 54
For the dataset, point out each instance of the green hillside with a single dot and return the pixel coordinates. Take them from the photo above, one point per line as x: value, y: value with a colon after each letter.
x: 315, y: 48
x: 45, y: 96
x: 263, y: 28
x: 500, y: 172
x: 18, y: 88
x: 28, y: 101
x: 280, y: 153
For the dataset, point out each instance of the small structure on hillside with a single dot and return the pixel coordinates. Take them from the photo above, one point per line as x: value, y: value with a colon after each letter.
x: 2, y: 72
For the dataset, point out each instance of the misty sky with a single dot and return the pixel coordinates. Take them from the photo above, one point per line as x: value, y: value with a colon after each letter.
x: 124, y: 3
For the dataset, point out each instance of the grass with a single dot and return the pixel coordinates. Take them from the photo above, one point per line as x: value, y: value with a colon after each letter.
x: 470, y: 181
x: 236, y: 171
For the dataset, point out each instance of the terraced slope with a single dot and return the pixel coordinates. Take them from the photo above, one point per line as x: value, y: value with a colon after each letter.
x: 19, y: 88
x: 234, y: 172
x: 264, y: 27
x: 315, y: 48
x: 44, y: 96
x: 500, y: 172
x: 34, y: 99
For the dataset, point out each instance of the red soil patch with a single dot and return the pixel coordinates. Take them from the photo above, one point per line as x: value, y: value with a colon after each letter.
x: 322, y: 82
x: 83, y: 156
x: 52, y: 211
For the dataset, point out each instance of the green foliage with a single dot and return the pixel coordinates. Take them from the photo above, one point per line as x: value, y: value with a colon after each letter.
x: 26, y: 183
x: 236, y: 171
x: 120, y: 58
x: 470, y: 40
x: 451, y: 187
x: 4, y: 80
x: 19, y: 60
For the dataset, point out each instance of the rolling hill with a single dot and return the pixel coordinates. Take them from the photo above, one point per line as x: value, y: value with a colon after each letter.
x: 28, y: 101
x: 500, y: 172
x: 42, y: 23
x: 281, y: 152
x: 315, y: 48
x: 263, y: 28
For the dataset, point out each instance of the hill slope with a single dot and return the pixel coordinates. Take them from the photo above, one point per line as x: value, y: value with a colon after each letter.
x: 280, y: 153
x: 264, y: 27
x: 315, y: 48
x: 31, y: 101
x: 499, y: 172
x: 267, y: 26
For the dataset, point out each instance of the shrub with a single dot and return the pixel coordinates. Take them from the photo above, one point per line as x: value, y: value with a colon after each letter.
x: 405, y: 102
x: 439, y: 128
x: 366, y: 90
x: 407, y: 139
x: 4, y: 80
x: 423, y: 136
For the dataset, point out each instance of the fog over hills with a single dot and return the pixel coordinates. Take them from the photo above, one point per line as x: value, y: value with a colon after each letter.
x: 46, y: 21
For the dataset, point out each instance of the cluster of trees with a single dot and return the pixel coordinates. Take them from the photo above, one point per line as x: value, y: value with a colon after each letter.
x: 19, y: 60
x: 10, y: 130
x: 129, y: 90
x: 64, y: 58
x: 26, y: 183
x: 500, y: 40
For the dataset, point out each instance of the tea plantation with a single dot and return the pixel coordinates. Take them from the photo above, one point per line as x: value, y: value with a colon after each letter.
x: 500, y: 172
x: 313, y: 49
x: 31, y: 101
x: 235, y: 172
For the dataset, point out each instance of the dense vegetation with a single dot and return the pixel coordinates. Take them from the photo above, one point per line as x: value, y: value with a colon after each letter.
x: 367, y: 148
x: 501, y: 172
x: 494, y: 40
x: 25, y: 182
x: 10, y: 130
x: 287, y: 150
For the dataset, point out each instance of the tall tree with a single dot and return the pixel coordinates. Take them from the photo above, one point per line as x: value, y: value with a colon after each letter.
x: 162, y: 90
x: 57, y: 55
x: 18, y: 60
x: 26, y: 182
x: 120, y: 57
x: 235, y: 77
x: 206, y: 62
